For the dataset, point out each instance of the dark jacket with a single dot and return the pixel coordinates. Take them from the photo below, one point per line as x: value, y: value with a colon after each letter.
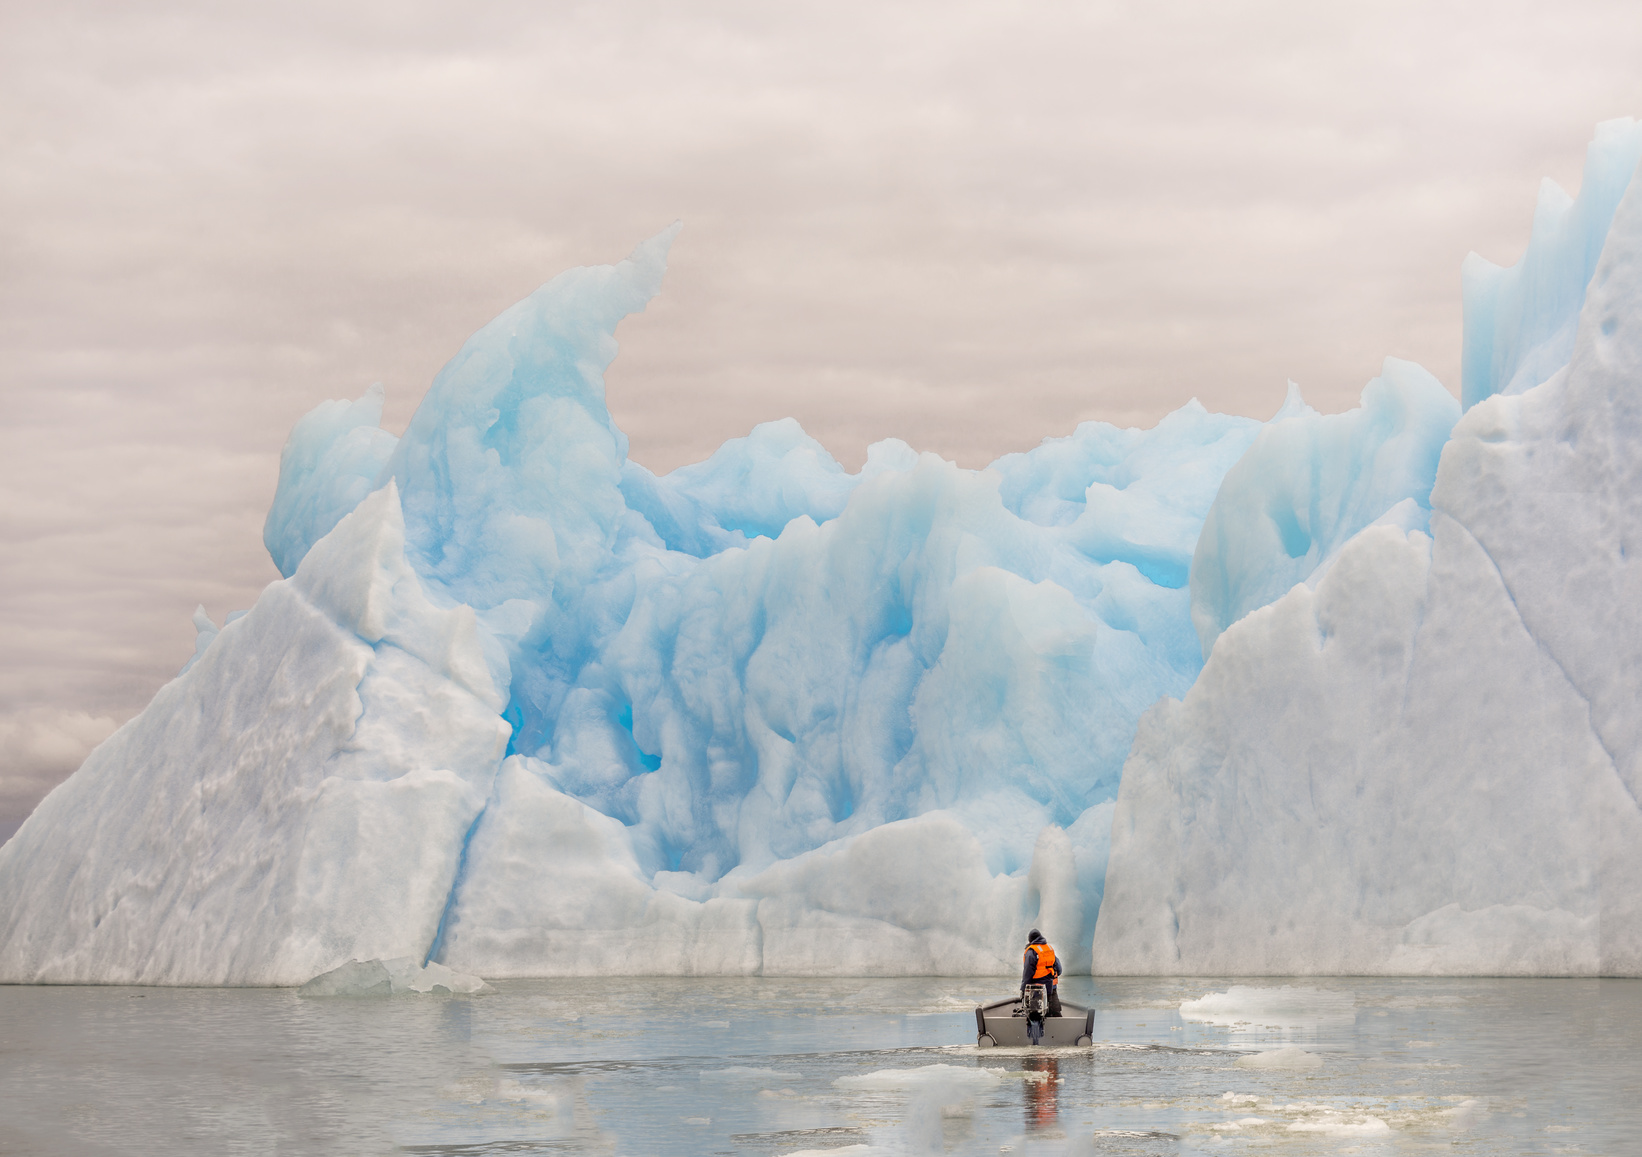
x: 1031, y: 964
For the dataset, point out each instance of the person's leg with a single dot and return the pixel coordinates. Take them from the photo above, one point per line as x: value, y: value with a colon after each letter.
x: 1054, y: 999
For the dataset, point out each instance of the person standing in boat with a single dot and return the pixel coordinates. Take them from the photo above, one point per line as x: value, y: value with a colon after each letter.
x: 1041, y: 967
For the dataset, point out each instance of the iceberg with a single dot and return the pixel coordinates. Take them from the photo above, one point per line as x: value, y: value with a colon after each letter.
x: 520, y: 707
x: 1329, y: 693
x: 1429, y: 761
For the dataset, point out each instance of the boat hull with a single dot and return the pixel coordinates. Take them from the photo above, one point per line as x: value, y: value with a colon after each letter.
x: 999, y: 1024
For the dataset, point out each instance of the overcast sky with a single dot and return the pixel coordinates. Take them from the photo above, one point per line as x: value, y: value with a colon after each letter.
x: 970, y: 226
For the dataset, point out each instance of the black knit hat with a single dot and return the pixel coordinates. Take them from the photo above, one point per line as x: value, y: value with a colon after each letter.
x: 1033, y: 937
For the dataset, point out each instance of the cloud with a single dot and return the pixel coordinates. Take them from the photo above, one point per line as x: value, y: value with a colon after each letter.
x: 39, y: 748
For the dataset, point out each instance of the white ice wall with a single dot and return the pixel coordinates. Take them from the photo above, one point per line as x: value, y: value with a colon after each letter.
x: 1431, y: 762
x: 270, y: 814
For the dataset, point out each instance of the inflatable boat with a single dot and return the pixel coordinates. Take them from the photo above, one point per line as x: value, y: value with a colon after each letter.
x: 1007, y: 1023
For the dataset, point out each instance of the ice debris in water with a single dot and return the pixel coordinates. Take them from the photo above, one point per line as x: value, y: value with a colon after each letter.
x: 517, y: 696
x: 942, y: 1077
x: 1342, y: 1126
x: 392, y: 978
x: 1284, y: 1058
x: 1284, y: 1007
x: 747, y: 1073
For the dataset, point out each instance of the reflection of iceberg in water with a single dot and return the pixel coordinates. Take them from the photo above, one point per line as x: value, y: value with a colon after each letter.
x: 512, y: 1073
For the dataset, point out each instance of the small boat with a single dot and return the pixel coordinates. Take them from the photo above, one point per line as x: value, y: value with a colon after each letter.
x: 1006, y: 1023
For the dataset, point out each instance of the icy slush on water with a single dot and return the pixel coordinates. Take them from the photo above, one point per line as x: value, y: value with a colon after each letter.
x: 765, y: 1067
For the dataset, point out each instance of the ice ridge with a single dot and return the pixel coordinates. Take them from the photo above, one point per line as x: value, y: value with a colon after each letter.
x: 1520, y: 320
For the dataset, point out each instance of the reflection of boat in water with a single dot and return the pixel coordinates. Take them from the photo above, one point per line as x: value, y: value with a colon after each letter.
x: 1042, y: 1094
x: 1006, y: 1022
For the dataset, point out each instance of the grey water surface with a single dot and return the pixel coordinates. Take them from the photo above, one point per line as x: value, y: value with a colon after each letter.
x: 770, y: 1066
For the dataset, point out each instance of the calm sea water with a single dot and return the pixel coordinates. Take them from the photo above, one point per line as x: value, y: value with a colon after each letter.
x: 754, y: 1067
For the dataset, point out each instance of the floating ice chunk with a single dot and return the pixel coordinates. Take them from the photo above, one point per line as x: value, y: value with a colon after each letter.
x: 946, y: 1078
x: 1238, y: 1125
x: 747, y: 1073
x: 355, y: 978
x: 1342, y: 1127
x: 391, y: 978
x: 1470, y: 1113
x: 1284, y: 1058
x: 1285, y: 1007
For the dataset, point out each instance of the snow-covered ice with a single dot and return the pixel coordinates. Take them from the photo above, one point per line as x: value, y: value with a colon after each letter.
x: 522, y: 707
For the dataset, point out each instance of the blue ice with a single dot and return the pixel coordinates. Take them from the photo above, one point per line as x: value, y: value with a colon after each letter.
x: 759, y: 713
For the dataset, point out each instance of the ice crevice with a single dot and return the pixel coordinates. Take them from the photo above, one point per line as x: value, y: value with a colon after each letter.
x: 1549, y: 653
x: 436, y: 945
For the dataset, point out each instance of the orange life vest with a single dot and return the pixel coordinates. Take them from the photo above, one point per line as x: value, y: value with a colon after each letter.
x: 1046, y: 961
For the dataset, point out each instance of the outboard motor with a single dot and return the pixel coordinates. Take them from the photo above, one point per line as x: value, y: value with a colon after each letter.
x: 1034, y: 1003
